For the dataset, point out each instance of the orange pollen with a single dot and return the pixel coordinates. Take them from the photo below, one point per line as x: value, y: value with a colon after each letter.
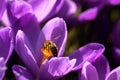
x: 46, y: 54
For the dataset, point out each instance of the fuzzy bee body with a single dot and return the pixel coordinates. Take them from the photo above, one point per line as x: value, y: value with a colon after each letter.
x: 49, y: 49
x: 51, y: 46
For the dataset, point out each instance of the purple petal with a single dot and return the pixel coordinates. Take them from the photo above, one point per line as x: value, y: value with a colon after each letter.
x: 114, y: 2
x: 102, y: 67
x: 88, y: 15
x: 22, y: 73
x: 29, y: 25
x: 5, y: 19
x: 24, y: 51
x: 116, y: 54
x: 2, y: 68
x: 5, y: 43
x: 69, y: 7
x: 55, y: 30
x: 89, y: 72
x: 44, y: 9
x: 2, y: 7
x: 89, y: 52
x: 58, y: 66
x: 17, y: 8
x: 114, y: 74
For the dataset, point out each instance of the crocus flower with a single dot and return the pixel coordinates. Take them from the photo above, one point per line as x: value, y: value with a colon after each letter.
x: 99, y: 70
x: 29, y: 40
x: 2, y: 7
x: 5, y: 49
x: 42, y: 9
x: 116, y: 42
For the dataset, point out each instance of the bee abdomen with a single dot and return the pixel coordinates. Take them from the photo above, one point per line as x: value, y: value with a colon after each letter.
x: 54, y: 51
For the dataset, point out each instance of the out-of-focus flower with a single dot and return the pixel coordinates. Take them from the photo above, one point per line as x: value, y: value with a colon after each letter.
x: 89, y: 14
x: 6, y: 48
x: 68, y: 9
x: 116, y: 42
x: 42, y: 9
x: 2, y: 7
x: 114, y: 2
x: 29, y: 40
x: 94, y: 7
x: 100, y: 69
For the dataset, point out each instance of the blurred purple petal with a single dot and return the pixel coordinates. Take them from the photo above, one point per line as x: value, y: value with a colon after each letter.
x: 69, y: 8
x: 102, y: 66
x: 114, y: 2
x: 116, y: 54
x: 89, y: 52
x: 58, y: 66
x: 17, y: 8
x: 5, y: 19
x: 89, y: 72
x: 5, y: 43
x: 2, y: 7
x: 114, y: 74
x: 25, y: 52
x: 44, y: 9
x: 55, y: 30
x: 22, y: 73
x: 2, y: 68
x: 89, y: 14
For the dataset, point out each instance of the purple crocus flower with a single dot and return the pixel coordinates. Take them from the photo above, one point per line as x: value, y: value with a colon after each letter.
x: 2, y: 7
x: 29, y: 40
x: 5, y: 49
x: 116, y: 42
x: 99, y: 70
x: 42, y: 9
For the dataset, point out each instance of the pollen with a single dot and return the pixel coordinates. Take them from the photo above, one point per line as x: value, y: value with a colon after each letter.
x: 49, y: 50
x: 46, y: 54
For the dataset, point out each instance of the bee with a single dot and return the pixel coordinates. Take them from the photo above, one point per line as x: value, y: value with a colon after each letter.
x: 49, y: 49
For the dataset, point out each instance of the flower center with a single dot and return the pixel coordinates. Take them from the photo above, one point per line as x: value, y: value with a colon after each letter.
x: 49, y: 49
